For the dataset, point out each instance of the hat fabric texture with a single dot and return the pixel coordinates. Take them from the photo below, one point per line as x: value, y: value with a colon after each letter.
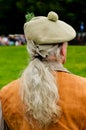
x: 48, y: 30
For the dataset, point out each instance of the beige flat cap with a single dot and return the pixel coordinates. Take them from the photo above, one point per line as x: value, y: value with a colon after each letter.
x: 48, y: 30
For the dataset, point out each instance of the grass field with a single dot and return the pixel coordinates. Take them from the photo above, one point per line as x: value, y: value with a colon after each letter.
x: 14, y: 59
x: 76, y: 60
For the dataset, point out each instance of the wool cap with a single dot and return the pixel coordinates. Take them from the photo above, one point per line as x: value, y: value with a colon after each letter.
x: 48, y: 30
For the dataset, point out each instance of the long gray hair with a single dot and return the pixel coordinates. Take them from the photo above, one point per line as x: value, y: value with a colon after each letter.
x: 40, y: 92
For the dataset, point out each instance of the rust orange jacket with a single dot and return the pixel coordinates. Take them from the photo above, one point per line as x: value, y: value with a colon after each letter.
x: 72, y: 91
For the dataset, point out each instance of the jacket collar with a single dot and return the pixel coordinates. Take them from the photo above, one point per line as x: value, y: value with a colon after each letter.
x: 55, y: 66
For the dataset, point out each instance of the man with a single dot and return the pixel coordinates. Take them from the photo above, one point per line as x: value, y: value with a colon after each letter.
x: 47, y: 96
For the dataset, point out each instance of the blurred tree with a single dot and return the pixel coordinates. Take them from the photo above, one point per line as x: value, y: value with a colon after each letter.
x: 12, y: 12
x: 10, y: 17
x: 29, y: 16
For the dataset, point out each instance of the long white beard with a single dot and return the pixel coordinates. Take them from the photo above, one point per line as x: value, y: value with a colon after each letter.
x: 40, y: 93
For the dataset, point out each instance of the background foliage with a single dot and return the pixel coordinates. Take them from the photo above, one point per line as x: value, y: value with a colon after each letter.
x: 12, y: 12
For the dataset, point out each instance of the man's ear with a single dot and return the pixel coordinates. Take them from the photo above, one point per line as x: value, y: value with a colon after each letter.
x: 63, y: 49
x: 63, y: 52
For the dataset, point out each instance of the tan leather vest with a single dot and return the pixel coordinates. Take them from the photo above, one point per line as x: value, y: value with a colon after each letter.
x: 72, y: 91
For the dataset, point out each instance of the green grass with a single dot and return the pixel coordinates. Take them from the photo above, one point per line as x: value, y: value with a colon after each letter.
x: 13, y: 61
x: 76, y: 60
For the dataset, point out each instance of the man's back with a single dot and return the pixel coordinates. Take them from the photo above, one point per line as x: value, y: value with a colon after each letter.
x: 72, y: 91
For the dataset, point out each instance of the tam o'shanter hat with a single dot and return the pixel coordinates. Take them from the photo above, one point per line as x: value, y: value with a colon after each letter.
x: 48, y: 30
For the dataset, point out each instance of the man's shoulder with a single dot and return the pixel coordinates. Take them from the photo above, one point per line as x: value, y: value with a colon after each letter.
x: 77, y: 77
x: 72, y: 78
x: 9, y: 88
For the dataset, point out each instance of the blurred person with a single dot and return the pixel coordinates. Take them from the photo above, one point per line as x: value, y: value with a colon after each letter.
x: 12, y: 40
x: 47, y: 96
x: 23, y: 40
x: 4, y: 40
x: 20, y: 39
x: 0, y: 40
